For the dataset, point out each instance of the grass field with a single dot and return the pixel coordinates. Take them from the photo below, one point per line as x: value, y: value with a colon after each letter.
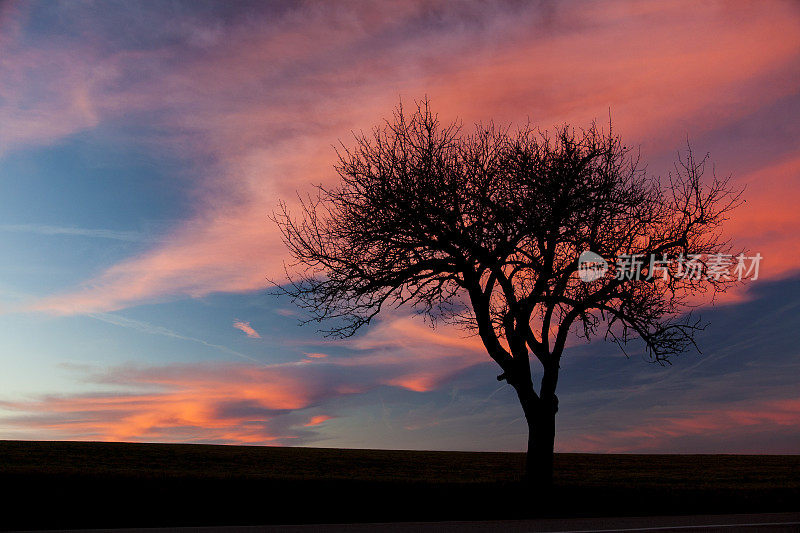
x: 78, y: 484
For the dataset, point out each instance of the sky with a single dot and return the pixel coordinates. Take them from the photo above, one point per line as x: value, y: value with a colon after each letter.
x: 143, y: 146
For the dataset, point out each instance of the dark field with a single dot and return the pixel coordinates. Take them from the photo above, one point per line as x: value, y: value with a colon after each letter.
x: 74, y: 484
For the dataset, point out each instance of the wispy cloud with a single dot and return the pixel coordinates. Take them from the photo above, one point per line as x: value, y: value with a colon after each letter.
x: 42, y: 229
x: 151, y: 329
x: 246, y: 328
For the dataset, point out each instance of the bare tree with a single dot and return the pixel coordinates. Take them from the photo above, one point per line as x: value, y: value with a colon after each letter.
x: 486, y: 229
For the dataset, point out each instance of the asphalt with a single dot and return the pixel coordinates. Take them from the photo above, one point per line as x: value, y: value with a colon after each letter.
x: 772, y: 522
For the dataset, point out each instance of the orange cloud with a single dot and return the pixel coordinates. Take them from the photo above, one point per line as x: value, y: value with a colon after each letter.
x: 215, y: 403
x: 317, y: 420
x: 438, y: 354
x: 246, y: 403
x: 246, y: 328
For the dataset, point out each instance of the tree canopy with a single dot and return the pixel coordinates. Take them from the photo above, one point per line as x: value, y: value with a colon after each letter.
x: 486, y: 229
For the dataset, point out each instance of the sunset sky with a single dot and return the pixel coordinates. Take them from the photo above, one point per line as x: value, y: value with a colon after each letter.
x: 144, y: 144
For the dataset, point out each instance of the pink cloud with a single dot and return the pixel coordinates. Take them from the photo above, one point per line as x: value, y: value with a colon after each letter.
x: 767, y: 223
x: 664, y: 71
x: 734, y: 422
x: 246, y: 328
x: 31, y: 117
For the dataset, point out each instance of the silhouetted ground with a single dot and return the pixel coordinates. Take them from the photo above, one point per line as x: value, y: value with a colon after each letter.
x: 78, y: 484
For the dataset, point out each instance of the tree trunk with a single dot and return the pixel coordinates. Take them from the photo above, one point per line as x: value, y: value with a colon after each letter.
x: 541, y: 440
x: 540, y: 414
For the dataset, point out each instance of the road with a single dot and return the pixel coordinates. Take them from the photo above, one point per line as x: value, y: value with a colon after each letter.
x: 772, y: 522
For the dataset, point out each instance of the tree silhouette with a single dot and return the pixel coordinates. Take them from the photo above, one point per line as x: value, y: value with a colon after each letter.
x: 486, y: 229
